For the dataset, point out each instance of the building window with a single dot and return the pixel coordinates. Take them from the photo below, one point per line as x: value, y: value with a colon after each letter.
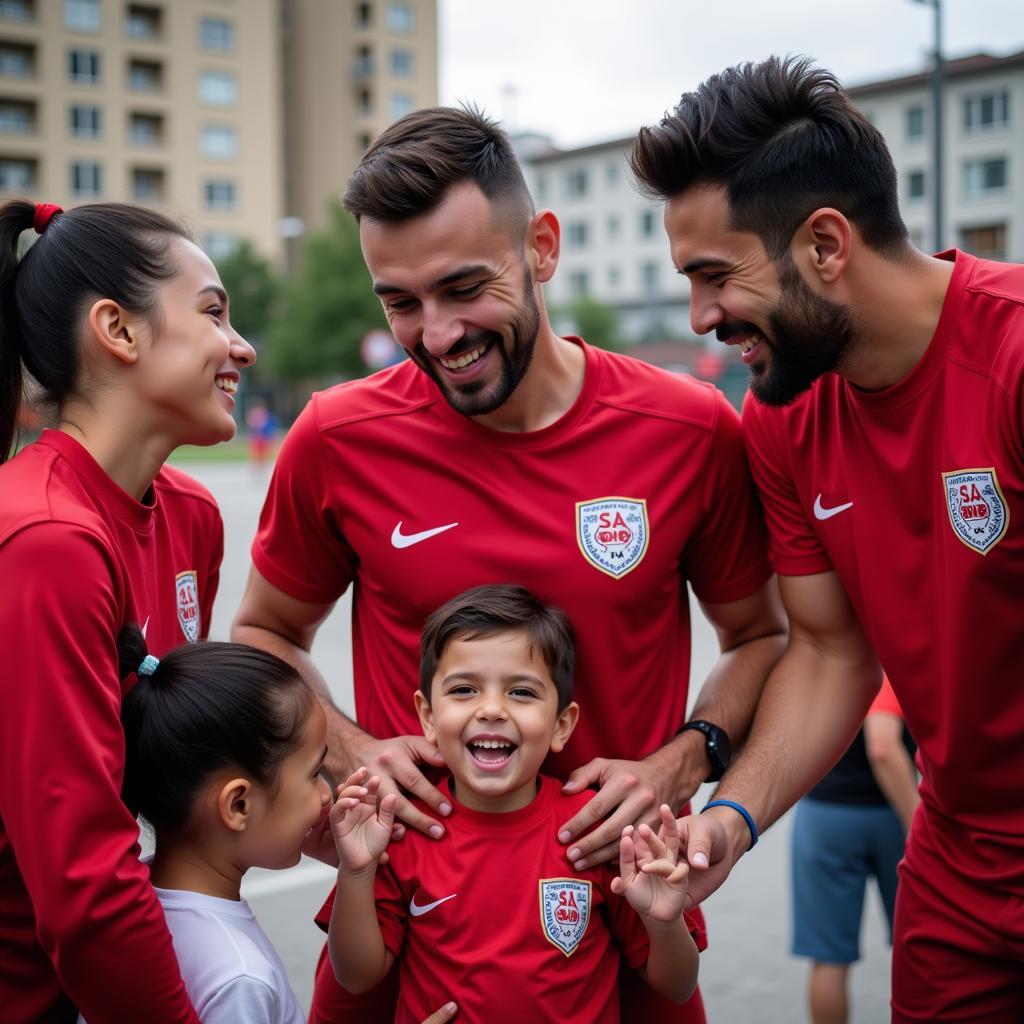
x: 649, y: 278
x: 576, y: 234
x: 984, y: 112
x: 86, y: 180
x: 985, y: 177
x: 147, y: 183
x: 17, y: 61
x: 576, y: 183
x: 84, y: 67
x: 614, y: 277
x: 82, y: 15
x: 915, y: 185
x: 647, y: 224
x: 86, y: 122
x: 142, y: 22
x: 400, y: 104
x: 145, y: 76
x: 146, y: 129
x: 219, y: 141
x: 401, y: 63
x: 611, y: 175
x: 218, y: 88
x: 216, y: 34
x: 219, y: 245
x: 363, y: 142
x: 613, y: 225
x: 542, y: 189
x: 401, y: 18
x: 219, y: 195
x: 17, y: 117
x: 988, y: 241
x: 364, y: 62
x: 364, y: 103
x: 579, y: 284
x: 364, y: 15
x: 17, y: 175
x: 18, y: 10
x: 915, y: 122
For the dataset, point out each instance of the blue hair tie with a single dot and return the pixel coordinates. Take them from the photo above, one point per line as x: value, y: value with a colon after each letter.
x: 148, y: 666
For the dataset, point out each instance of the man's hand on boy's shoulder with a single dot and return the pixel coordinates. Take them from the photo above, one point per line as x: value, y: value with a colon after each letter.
x: 628, y: 793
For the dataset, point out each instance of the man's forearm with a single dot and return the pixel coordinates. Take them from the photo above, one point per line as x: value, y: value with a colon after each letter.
x: 811, y: 708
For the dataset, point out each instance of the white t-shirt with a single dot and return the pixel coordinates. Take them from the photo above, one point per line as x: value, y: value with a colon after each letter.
x: 231, y: 970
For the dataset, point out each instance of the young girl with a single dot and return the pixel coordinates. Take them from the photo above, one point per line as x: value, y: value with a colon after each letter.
x: 224, y: 745
x: 122, y: 323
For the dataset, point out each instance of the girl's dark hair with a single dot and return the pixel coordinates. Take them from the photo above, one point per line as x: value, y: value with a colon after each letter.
x: 783, y: 139
x: 102, y: 250
x: 501, y: 608
x: 207, y: 707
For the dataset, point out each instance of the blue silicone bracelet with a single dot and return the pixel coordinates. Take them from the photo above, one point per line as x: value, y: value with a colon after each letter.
x: 740, y: 809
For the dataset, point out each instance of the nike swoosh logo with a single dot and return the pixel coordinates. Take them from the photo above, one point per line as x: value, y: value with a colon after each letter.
x: 406, y: 540
x: 417, y: 911
x: 820, y: 512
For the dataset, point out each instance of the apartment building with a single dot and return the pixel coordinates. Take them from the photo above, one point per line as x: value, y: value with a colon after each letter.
x: 983, y: 151
x: 614, y: 248
x: 240, y: 117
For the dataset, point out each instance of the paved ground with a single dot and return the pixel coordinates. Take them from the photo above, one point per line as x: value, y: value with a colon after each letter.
x: 746, y: 974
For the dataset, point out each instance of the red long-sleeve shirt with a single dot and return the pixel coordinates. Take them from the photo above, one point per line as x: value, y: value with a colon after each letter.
x: 80, y: 926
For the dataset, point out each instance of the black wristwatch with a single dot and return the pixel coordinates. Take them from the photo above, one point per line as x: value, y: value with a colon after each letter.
x: 716, y: 746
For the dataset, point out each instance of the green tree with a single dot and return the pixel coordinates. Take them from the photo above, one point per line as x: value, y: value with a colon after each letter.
x: 595, y: 322
x: 327, y: 307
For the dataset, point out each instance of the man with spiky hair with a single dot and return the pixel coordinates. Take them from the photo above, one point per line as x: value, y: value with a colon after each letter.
x: 884, y: 430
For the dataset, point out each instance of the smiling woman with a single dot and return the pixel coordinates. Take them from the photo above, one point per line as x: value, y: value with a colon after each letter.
x: 122, y: 323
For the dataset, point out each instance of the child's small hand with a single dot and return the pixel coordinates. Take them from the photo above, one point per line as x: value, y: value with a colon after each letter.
x: 651, y: 876
x: 361, y: 834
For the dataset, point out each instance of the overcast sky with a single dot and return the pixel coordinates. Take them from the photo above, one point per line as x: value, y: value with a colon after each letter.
x: 590, y: 70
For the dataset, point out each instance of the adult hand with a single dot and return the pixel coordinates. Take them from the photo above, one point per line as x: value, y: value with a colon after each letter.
x: 445, y: 1013
x: 629, y: 793
x: 396, y: 762
x: 713, y: 842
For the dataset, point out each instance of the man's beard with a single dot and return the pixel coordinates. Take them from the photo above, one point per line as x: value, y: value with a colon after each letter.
x: 810, y: 335
x: 477, y: 398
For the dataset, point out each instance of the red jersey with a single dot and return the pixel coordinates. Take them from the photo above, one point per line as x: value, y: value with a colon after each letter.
x: 79, y: 921
x: 915, y: 496
x: 492, y: 917
x: 639, y: 487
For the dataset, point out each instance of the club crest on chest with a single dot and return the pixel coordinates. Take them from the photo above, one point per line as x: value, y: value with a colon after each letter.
x: 613, y: 533
x: 187, y: 586
x: 977, y: 509
x: 564, y: 911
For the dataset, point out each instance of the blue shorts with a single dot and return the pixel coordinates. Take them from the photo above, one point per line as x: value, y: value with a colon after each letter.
x: 836, y: 849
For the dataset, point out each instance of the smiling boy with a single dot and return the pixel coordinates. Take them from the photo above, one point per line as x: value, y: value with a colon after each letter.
x: 488, y: 915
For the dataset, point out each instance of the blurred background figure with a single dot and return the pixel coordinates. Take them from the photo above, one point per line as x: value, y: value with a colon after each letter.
x: 261, y: 425
x: 850, y: 828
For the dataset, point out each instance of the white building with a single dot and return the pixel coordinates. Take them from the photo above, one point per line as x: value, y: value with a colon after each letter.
x: 614, y: 247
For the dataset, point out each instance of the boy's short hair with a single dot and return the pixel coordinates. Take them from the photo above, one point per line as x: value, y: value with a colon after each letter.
x: 501, y: 608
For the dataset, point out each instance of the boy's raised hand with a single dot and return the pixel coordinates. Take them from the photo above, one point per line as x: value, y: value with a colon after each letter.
x: 651, y: 876
x: 361, y: 833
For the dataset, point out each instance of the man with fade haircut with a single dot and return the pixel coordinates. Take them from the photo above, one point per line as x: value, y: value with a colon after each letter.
x: 884, y: 432
x: 500, y: 452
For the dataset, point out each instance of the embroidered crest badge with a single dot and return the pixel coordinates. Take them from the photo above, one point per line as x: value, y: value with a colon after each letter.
x: 977, y: 509
x: 188, y: 604
x: 613, y: 533
x: 564, y: 911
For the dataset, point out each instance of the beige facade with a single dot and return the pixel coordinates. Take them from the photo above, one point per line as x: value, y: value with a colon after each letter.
x: 354, y: 67
x: 230, y: 115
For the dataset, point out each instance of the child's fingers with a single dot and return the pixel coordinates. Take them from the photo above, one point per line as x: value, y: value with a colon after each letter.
x: 355, y: 779
x: 666, y: 869
x: 386, y: 815
x: 669, y: 828
x: 656, y: 847
x: 627, y: 855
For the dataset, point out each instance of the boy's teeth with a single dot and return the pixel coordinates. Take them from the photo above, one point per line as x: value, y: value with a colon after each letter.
x: 491, y: 744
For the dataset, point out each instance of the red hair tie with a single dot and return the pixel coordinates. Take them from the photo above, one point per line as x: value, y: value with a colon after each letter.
x: 44, y: 211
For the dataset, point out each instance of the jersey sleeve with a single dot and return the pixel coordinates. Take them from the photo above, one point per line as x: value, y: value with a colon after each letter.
x: 885, y: 702
x: 242, y: 999
x: 299, y: 547
x: 61, y: 762
x: 794, y: 546
x: 726, y: 559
